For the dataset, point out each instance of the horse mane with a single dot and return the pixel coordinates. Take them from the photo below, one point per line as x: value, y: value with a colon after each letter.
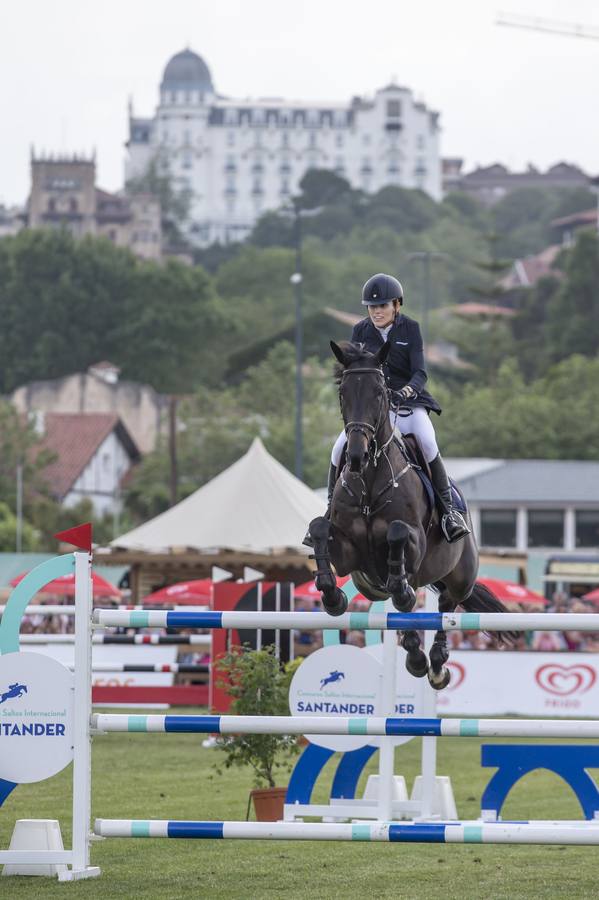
x: 353, y: 353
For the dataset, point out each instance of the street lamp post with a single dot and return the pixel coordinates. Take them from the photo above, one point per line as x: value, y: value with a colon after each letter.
x: 296, y: 281
x: 426, y: 256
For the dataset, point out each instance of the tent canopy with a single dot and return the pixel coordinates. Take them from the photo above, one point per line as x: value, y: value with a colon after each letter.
x: 255, y: 506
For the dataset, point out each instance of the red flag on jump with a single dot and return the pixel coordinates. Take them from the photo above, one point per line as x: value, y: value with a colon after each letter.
x: 80, y: 536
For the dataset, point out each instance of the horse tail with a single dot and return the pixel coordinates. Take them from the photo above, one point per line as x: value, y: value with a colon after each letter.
x: 483, y: 600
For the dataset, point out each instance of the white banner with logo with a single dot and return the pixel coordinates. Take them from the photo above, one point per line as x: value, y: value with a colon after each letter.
x: 554, y: 685
x: 343, y: 680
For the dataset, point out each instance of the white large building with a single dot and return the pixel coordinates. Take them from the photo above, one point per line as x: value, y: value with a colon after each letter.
x: 238, y: 158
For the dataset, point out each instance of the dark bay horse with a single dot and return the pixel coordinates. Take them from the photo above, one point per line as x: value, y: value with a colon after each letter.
x: 381, y: 528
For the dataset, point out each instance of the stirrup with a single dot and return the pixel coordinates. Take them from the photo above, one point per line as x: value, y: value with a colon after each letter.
x: 453, y: 526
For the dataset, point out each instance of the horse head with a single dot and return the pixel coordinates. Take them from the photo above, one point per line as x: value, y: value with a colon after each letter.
x: 363, y: 398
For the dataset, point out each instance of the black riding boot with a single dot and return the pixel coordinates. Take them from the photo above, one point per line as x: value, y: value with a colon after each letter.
x: 332, y: 481
x: 453, y: 524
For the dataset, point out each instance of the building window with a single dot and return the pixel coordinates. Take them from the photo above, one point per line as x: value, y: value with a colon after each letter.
x: 498, y: 527
x: 545, y: 528
x: 257, y: 189
x: 187, y: 160
x: 73, y: 205
x: 312, y: 140
x: 587, y: 527
x: 420, y: 142
x: 284, y: 140
x: 393, y: 109
x: 338, y: 140
x: 230, y: 139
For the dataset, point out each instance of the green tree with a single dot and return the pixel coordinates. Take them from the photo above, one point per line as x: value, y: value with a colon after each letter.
x: 8, y: 532
x: 572, y: 324
x: 66, y: 304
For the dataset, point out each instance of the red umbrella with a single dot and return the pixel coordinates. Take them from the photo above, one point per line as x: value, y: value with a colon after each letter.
x: 184, y: 593
x: 309, y: 591
x: 510, y: 591
x: 593, y: 596
x: 64, y: 586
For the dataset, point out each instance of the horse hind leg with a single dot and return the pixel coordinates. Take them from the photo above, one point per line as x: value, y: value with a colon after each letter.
x: 439, y: 675
x: 334, y: 599
x: 402, y: 593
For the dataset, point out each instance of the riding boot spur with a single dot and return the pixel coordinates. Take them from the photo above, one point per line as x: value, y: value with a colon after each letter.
x: 453, y: 524
x: 331, y: 482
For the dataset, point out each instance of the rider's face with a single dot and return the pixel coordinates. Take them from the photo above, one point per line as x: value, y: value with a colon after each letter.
x: 382, y: 314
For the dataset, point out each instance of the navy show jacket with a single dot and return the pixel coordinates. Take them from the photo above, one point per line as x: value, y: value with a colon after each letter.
x: 405, y: 360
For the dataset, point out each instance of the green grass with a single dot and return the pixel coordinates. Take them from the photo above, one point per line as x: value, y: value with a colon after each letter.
x: 172, y: 777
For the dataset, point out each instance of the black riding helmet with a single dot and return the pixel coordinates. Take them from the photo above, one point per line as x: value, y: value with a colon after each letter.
x: 380, y: 289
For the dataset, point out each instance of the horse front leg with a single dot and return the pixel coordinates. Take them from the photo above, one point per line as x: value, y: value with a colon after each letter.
x: 334, y: 599
x: 402, y: 594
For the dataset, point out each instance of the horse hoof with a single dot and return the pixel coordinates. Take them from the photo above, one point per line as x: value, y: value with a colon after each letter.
x: 418, y: 666
x: 441, y: 680
x: 404, y: 601
x: 338, y: 605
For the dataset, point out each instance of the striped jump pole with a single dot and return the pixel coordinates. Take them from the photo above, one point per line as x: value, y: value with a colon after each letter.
x: 60, y: 609
x: 174, y: 668
x: 390, y: 832
x: 198, y: 640
x: 374, y: 725
x: 391, y: 621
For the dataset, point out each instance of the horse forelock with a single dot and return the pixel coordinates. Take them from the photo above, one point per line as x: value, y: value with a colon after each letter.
x: 354, y: 354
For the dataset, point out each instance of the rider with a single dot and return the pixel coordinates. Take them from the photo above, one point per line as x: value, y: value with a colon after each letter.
x: 406, y: 376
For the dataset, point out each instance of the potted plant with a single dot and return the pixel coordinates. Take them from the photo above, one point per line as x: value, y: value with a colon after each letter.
x: 259, y: 686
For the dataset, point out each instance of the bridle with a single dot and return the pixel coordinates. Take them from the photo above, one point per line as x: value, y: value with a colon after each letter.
x: 369, y: 506
x: 369, y: 431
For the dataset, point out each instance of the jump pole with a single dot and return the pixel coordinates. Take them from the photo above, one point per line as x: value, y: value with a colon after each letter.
x: 369, y: 725
x: 390, y: 832
x: 385, y: 621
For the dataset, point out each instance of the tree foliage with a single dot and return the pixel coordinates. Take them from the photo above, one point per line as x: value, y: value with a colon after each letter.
x: 66, y: 304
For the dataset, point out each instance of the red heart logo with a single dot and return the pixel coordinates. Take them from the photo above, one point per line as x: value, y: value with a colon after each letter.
x: 565, y: 680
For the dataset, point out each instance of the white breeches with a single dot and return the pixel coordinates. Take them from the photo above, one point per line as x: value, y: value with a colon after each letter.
x: 418, y: 422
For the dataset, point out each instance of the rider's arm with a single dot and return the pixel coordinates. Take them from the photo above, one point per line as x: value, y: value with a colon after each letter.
x: 418, y: 376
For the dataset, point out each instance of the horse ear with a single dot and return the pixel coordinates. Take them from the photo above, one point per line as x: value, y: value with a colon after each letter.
x: 338, y: 353
x: 382, y: 354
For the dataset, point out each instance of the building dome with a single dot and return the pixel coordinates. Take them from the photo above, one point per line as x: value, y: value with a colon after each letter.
x: 187, y: 71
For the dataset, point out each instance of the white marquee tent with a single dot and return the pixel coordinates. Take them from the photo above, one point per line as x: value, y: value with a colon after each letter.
x: 255, y: 506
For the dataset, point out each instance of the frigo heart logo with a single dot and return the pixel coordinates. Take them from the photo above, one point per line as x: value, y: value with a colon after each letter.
x: 458, y: 673
x: 565, y: 680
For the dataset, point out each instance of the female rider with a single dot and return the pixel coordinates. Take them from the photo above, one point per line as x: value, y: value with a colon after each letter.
x: 406, y: 376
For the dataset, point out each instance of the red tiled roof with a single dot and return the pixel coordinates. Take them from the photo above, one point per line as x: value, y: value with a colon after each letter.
x: 526, y: 272
x: 586, y: 217
x: 74, y: 438
x: 474, y: 308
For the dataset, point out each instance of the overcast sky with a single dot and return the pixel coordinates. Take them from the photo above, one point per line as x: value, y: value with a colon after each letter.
x: 67, y: 68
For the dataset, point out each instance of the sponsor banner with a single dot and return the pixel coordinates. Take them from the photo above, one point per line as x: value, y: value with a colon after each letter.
x: 36, y: 717
x: 129, y: 654
x: 342, y: 680
x: 554, y: 685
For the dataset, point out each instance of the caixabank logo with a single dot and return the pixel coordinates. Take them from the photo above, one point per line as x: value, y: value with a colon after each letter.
x: 36, y: 717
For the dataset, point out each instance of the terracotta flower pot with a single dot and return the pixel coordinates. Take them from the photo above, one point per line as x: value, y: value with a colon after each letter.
x: 268, y: 803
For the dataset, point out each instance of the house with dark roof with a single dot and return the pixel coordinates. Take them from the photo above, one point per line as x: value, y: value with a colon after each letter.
x: 532, y: 504
x: 93, y: 454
